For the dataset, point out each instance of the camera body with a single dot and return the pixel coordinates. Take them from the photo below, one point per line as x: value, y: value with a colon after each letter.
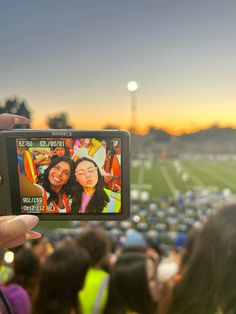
x: 65, y: 174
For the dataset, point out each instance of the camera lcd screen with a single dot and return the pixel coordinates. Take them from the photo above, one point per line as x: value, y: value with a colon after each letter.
x: 75, y: 175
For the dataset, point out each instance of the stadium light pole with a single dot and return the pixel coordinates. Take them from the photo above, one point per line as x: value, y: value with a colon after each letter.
x: 132, y: 88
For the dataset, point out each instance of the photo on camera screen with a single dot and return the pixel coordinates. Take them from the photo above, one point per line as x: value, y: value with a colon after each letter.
x: 69, y: 175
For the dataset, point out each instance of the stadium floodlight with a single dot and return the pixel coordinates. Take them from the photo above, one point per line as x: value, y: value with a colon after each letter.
x: 132, y: 88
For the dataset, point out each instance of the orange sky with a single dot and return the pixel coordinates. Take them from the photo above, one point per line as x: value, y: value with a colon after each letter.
x: 175, y: 121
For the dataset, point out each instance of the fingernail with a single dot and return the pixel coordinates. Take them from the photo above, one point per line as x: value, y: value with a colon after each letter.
x: 21, y: 120
x: 33, y: 235
x: 29, y: 220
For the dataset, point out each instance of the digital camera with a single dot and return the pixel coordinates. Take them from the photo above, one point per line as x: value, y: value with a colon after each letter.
x: 65, y: 174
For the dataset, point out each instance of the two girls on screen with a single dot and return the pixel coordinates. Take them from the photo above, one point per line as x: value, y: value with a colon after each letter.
x: 69, y: 187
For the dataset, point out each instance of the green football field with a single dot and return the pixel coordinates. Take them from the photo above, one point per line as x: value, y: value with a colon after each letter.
x: 159, y: 177
x: 169, y: 176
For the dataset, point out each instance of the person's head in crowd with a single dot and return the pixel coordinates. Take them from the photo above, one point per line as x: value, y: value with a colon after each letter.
x: 90, y: 194
x: 116, y: 146
x: 41, y: 248
x: 63, y: 275
x: 133, y: 242
x: 133, y: 285
x: 96, y: 242
x: 86, y: 142
x: 26, y: 268
x: 69, y: 142
x: 179, y: 242
x: 153, y: 241
x: 58, y: 177
x: 207, y: 283
x: 60, y: 151
x: 21, y: 290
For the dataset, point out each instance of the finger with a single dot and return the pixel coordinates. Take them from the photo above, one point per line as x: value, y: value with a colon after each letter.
x: 5, y: 218
x: 30, y: 235
x: 22, y: 120
x: 16, y: 226
x: 15, y: 241
x: 7, y: 121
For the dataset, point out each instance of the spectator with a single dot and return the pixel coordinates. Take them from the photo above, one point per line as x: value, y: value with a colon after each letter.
x: 133, y: 285
x: 42, y: 248
x: 62, y: 277
x: 22, y: 288
x: 94, y: 294
x: 207, y: 283
x: 113, y: 166
x: 169, y: 266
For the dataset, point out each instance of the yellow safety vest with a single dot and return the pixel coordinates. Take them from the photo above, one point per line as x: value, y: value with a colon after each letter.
x: 5, y: 274
x: 93, y: 297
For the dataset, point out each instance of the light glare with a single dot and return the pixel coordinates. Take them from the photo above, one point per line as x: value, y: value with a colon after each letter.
x: 9, y: 257
x: 132, y: 86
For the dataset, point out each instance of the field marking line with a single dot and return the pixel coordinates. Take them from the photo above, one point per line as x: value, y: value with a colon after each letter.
x: 168, y: 179
x: 219, y: 177
x: 141, y: 174
x: 195, y: 178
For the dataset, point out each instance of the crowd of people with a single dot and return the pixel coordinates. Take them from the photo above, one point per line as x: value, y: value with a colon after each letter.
x: 86, y: 275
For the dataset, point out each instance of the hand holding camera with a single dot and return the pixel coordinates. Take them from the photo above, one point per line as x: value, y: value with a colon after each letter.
x: 14, y: 230
x: 64, y: 174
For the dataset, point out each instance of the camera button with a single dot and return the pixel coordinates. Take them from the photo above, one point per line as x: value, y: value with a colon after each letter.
x: 1, y: 178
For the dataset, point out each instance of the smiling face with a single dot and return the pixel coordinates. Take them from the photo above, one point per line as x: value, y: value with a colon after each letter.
x: 86, y: 174
x: 59, y: 174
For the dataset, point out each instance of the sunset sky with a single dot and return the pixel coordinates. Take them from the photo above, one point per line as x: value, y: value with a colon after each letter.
x: 78, y: 56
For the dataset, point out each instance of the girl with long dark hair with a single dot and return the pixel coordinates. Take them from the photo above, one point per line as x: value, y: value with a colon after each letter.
x: 133, y: 285
x: 57, y: 181
x: 62, y: 277
x: 90, y: 196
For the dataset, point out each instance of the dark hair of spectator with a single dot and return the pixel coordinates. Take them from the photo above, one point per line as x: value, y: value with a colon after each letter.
x: 63, y: 275
x: 128, y: 288
x: 188, y: 248
x: 99, y: 199
x: 26, y: 271
x: 96, y: 243
x: 207, y: 282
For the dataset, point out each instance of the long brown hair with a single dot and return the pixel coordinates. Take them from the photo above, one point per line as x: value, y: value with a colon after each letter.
x: 209, y: 279
x: 63, y: 275
x: 128, y: 288
x: 99, y: 199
